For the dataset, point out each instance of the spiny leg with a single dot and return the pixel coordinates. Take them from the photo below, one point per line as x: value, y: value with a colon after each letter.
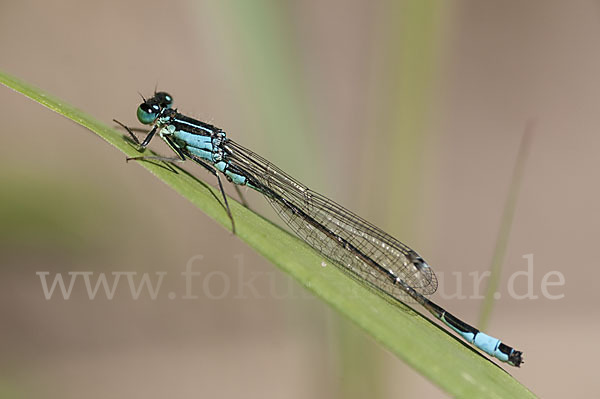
x: 133, y: 129
x: 206, y: 166
x: 226, y: 203
x: 180, y: 158
x: 241, y: 195
x: 153, y: 158
x: 147, y: 139
x: 170, y: 143
x: 214, y: 172
x: 130, y: 131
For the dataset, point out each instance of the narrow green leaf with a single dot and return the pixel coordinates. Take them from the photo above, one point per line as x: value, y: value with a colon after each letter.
x: 428, y: 348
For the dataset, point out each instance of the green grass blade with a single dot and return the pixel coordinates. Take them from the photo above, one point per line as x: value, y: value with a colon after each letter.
x: 508, y: 216
x: 429, y: 349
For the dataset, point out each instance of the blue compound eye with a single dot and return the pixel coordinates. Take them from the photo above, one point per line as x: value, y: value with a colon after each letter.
x: 147, y: 113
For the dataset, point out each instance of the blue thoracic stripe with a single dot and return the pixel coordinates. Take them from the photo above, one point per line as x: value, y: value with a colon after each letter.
x: 199, y: 145
x: 202, y: 146
x: 193, y: 124
x: 196, y: 126
x: 194, y: 140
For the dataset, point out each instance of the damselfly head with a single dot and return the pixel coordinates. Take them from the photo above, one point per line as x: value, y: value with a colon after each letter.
x: 150, y: 109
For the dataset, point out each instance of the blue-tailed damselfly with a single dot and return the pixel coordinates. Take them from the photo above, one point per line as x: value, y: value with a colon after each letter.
x: 356, y: 246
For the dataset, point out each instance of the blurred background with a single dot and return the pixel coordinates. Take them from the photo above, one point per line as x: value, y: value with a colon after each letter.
x: 410, y: 113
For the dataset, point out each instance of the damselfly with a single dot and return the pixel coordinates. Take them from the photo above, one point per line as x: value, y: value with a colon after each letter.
x: 356, y: 246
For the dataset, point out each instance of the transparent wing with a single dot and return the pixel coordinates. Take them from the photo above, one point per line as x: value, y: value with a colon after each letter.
x: 390, y: 254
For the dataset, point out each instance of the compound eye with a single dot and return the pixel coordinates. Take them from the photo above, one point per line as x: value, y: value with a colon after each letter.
x: 164, y: 99
x: 147, y: 113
